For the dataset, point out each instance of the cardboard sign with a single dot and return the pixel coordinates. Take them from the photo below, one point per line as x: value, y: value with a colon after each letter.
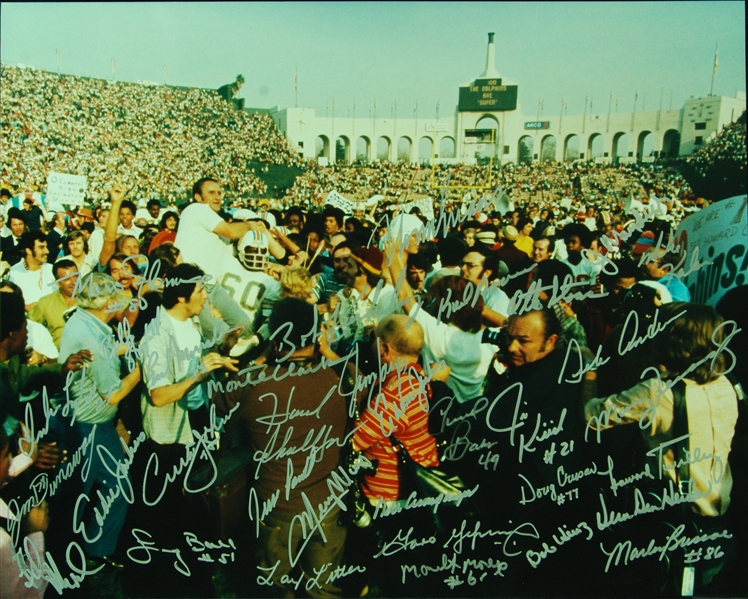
x: 425, y: 205
x: 338, y: 201
x: 66, y: 189
x: 718, y: 238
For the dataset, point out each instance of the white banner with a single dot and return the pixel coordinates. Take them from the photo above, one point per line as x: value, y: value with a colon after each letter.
x: 425, y: 205
x: 66, y: 189
x: 335, y: 199
x: 716, y: 237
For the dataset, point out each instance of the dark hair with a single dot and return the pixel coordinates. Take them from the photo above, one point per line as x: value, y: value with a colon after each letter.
x: 167, y: 215
x: 168, y: 254
x: 551, y: 243
x: 452, y: 250
x: 523, y: 222
x: 336, y: 213
x: 5, y: 193
x: 468, y: 317
x: 153, y: 203
x: 197, y: 188
x: 429, y: 251
x: 128, y: 204
x: 418, y: 261
x: 72, y: 236
x: 294, y: 210
x: 29, y: 238
x: 627, y: 269
x: 88, y: 227
x: 581, y: 231
x: 490, y: 259
x: 65, y: 263
x: 14, y: 212
x: 353, y: 221
x: 342, y: 245
x: 12, y: 314
x: 293, y: 324
x: 186, y: 277
x: 119, y: 256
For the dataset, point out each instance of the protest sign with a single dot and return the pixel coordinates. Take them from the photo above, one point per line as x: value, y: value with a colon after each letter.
x: 717, y: 236
x: 63, y: 188
x: 425, y: 205
x: 335, y: 199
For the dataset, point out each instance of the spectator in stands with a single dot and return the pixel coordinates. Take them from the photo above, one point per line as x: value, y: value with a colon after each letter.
x: 169, y: 221
x: 600, y: 315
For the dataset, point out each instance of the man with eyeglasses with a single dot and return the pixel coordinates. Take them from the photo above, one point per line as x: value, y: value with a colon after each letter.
x: 480, y: 266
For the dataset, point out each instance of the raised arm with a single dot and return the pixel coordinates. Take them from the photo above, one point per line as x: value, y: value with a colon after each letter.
x: 396, y: 259
x: 116, y: 195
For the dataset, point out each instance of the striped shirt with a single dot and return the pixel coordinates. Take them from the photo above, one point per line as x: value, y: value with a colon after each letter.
x: 400, y: 409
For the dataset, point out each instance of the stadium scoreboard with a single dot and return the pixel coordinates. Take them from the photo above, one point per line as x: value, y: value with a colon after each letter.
x: 487, y: 94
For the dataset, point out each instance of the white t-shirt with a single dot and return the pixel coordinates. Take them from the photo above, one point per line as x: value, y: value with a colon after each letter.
x: 356, y: 314
x: 496, y: 299
x: 144, y: 214
x: 133, y: 230
x: 12, y: 583
x: 40, y: 340
x: 463, y: 352
x: 200, y: 245
x: 586, y: 270
x: 95, y: 243
x: 186, y: 334
x: 35, y: 284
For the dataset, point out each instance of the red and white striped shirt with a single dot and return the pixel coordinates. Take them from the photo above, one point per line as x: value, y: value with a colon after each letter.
x: 400, y: 409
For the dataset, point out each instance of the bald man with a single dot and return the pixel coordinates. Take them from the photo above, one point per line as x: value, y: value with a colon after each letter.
x: 400, y: 409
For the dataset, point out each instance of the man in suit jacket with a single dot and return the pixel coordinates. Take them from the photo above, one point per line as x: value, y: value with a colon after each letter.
x: 55, y: 237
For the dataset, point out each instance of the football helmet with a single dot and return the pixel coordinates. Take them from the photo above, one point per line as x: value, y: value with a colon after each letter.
x: 252, y: 251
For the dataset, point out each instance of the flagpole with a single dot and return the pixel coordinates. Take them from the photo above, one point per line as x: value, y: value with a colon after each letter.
x: 296, y: 85
x: 714, y: 70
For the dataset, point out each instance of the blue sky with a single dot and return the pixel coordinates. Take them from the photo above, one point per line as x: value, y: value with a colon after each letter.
x: 404, y: 52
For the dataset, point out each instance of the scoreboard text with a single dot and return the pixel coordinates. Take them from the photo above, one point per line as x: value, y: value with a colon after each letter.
x: 488, y: 94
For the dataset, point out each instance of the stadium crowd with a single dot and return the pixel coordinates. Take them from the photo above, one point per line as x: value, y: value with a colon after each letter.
x: 728, y: 145
x: 158, y: 139
x: 245, y: 399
